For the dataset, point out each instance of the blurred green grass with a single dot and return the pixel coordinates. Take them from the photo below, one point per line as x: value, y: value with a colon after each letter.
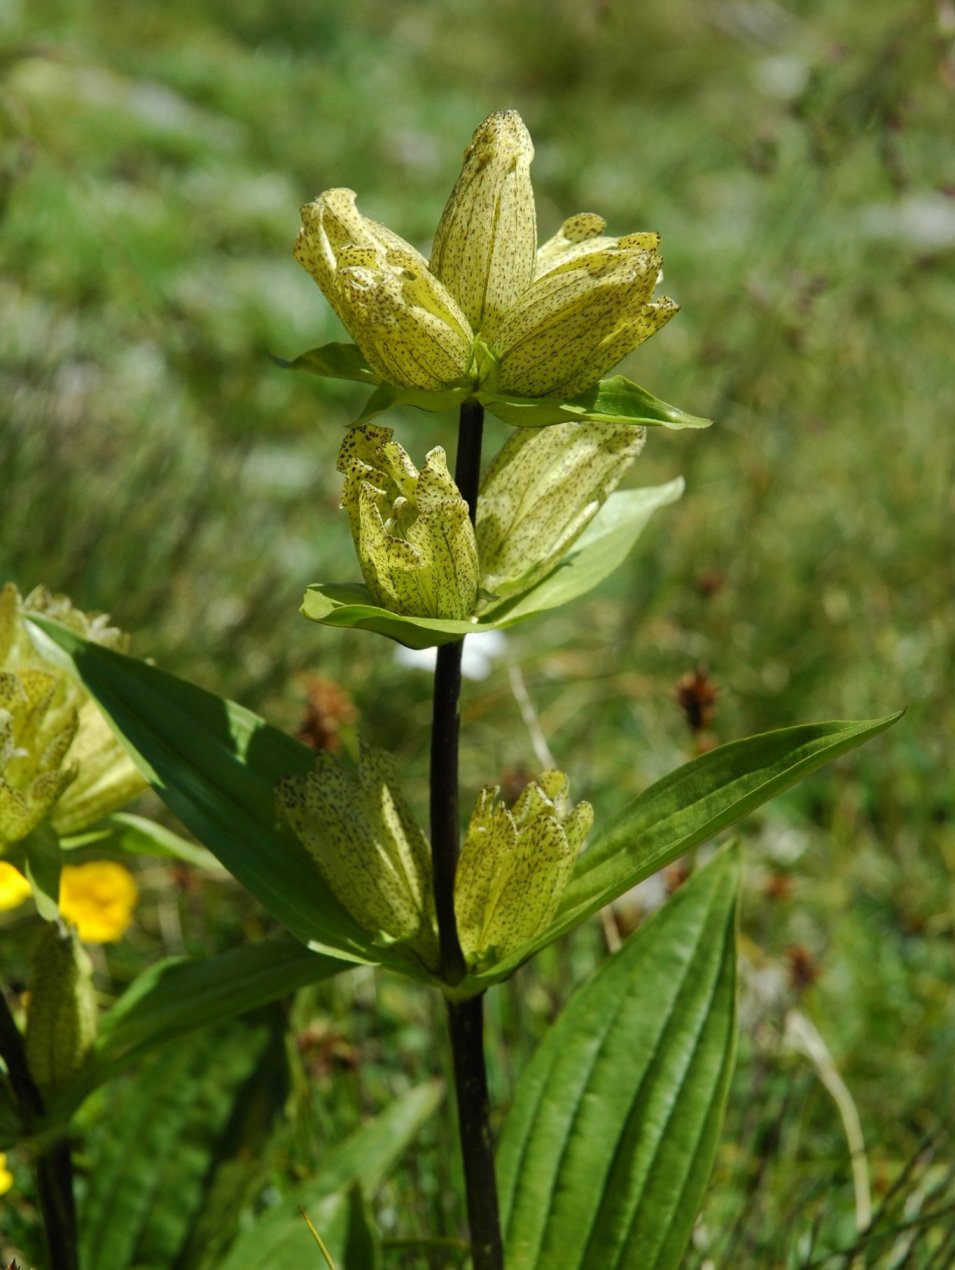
x: 800, y: 163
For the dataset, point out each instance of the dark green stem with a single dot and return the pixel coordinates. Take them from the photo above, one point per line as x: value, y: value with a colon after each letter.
x: 466, y: 1018
x: 54, y: 1163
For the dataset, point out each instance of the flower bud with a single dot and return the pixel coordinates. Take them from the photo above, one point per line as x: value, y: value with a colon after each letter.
x: 589, y: 305
x: 484, y: 246
x: 515, y: 865
x: 368, y: 847
x: 406, y: 323
x: 415, y: 543
x: 539, y: 495
x: 61, y: 1020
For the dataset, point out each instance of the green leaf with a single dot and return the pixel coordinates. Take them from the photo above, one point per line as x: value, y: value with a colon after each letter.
x: 216, y: 765
x: 280, y: 1237
x: 686, y: 808
x: 43, y: 862
x: 437, y: 401
x: 607, y: 1149
x: 179, y: 996
x: 601, y: 547
x: 613, y: 400
x: 332, y: 361
x: 190, y: 1127
x: 138, y: 836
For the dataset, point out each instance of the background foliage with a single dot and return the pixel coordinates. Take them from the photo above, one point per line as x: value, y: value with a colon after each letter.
x: 798, y: 160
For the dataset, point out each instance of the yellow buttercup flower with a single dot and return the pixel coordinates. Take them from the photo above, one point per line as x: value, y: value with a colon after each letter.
x: 408, y: 326
x: 14, y: 888
x: 98, y: 898
x: 6, y: 1177
x: 415, y: 543
x: 515, y: 865
x: 492, y: 314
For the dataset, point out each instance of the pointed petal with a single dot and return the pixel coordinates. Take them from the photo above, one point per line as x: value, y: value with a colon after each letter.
x: 484, y: 249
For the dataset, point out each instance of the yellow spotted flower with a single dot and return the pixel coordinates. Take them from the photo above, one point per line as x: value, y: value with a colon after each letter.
x: 538, y: 496
x: 367, y: 845
x: 492, y: 314
x: 59, y: 760
x: 408, y: 326
x: 411, y: 530
x: 515, y: 865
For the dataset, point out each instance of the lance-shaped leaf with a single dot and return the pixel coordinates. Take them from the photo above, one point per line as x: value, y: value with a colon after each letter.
x: 602, y: 546
x: 216, y: 765
x: 608, y: 1146
x: 683, y: 809
x: 179, y: 996
x: 613, y: 400
x: 183, y: 1142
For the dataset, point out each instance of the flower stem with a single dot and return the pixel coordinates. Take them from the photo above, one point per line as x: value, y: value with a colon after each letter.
x: 466, y: 1018
x: 54, y: 1164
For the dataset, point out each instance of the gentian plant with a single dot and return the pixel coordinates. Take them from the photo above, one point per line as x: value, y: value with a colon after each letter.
x: 608, y: 1143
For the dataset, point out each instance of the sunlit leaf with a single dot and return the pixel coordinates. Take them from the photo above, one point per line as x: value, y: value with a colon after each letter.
x: 607, y: 1149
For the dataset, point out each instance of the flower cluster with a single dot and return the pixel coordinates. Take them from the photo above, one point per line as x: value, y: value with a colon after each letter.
x: 492, y: 314
x: 513, y: 869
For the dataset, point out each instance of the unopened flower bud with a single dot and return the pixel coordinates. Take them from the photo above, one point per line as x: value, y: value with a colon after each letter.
x: 368, y: 847
x: 406, y: 323
x: 415, y: 543
x: 515, y: 865
x: 61, y: 1020
x: 539, y: 495
x: 484, y: 246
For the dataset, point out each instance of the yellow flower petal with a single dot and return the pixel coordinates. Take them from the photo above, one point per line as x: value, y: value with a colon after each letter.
x: 540, y: 494
x: 484, y: 249
x: 14, y: 888
x: 98, y: 898
x: 591, y: 307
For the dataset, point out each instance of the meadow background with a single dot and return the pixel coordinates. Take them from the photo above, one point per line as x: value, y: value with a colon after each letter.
x: 799, y: 161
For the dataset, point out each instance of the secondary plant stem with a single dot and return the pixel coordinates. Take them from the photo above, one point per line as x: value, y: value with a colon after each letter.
x: 466, y: 1018
x: 54, y: 1163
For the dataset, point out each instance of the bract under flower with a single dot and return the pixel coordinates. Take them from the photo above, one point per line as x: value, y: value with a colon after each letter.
x: 538, y: 496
